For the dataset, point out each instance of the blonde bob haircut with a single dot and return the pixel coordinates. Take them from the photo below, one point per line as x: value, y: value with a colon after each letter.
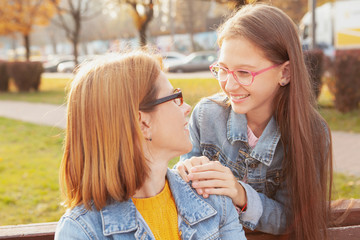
x: 103, y: 160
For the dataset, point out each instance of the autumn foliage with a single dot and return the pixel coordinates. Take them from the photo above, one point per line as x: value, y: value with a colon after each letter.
x: 20, y: 16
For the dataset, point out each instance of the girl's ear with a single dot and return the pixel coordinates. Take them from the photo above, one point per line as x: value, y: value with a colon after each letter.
x: 285, y: 74
x: 144, y: 122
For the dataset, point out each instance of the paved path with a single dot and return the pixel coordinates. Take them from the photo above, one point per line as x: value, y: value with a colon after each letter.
x: 346, y: 146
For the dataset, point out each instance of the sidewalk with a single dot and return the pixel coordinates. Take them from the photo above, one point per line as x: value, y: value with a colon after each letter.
x: 346, y: 146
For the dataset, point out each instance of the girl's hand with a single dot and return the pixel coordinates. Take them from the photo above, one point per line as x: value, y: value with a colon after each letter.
x: 184, y: 167
x: 214, y: 178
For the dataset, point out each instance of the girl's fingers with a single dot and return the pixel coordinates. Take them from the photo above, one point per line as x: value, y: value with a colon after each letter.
x: 181, y: 169
x: 199, y: 176
x: 210, y: 166
x: 218, y: 191
x: 184, y: 167
x: 198, y: 161
x: 212, y: 184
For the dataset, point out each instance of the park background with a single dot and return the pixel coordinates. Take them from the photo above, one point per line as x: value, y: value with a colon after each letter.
x: 34, y: 30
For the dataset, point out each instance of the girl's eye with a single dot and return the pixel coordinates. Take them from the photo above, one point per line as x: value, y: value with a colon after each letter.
x: 243, y: 73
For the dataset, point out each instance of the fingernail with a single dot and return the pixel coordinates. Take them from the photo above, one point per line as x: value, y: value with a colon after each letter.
x: 186, y: 179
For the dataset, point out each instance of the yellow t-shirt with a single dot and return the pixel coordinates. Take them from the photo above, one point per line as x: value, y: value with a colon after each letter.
x: 160, y: 214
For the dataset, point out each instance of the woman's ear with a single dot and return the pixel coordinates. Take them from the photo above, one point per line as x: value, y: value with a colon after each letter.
x: 285, y: 74
x: 144, y: 122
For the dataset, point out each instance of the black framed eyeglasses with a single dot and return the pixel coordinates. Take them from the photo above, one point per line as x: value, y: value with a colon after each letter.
x: 177, y: 97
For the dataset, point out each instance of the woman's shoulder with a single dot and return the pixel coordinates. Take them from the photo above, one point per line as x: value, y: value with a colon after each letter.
x: 80, y: 215
x: 75, y: 223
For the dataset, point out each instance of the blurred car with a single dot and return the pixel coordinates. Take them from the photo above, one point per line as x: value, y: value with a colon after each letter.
x: 52, y: 64
x: 69, y: 66
x: 197, y: 61
x: 172, y: 58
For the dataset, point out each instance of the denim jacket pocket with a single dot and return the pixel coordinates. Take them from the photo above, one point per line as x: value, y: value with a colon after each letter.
x: 213, y: 153
x: 273, y: 180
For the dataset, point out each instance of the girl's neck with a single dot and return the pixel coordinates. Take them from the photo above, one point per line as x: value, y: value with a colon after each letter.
x: 257, y: 124
x: 155, y: 182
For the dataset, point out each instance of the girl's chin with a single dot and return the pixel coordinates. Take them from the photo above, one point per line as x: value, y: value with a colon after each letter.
x: 237, y: 109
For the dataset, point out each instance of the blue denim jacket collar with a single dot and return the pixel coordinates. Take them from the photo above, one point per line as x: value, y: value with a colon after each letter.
x: 191, y: 207
x: 265, y: 148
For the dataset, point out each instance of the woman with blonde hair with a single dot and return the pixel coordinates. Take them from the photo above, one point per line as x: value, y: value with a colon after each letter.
x: 270, y: 149
x: 125, y: 122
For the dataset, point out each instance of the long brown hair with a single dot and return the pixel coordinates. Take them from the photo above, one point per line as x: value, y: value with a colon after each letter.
x: 304, y: 133
x: 103, y: 159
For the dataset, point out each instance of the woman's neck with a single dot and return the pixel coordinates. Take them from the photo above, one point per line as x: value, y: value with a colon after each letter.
x: 155, y: 182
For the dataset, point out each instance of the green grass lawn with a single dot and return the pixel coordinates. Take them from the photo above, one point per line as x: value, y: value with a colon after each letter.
x: 29, y: 161
x: 30, y: 154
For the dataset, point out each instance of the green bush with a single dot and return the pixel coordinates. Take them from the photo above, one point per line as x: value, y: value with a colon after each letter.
x: 4, y: 77
x: 26, y: 75
x: 314, y: 60
x: 347, y: 80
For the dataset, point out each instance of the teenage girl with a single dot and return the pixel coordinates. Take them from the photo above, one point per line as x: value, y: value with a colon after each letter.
x: 262, y: 141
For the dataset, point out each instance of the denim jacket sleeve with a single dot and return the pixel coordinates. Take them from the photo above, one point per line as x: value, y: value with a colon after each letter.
x: 230, y: 225
x: 68, y: 228
x: 263, y: 213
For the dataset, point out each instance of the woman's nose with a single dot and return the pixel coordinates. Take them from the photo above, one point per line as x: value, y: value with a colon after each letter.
x: 187, y: 108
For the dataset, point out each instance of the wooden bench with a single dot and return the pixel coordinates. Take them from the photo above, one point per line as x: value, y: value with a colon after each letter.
x: 346, y: 226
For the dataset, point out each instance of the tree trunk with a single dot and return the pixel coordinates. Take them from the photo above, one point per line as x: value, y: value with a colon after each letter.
x: 75, y: 46
x: 27, y: 47
x: 149, y: 16
x: 142, y: 33
x: 76, y: 36
x: 53, y: 42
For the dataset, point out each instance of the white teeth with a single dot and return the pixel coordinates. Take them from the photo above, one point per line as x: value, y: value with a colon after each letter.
x: 238, y: 97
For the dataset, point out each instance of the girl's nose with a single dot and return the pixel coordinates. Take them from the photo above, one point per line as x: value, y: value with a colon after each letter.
x: 231, y: 83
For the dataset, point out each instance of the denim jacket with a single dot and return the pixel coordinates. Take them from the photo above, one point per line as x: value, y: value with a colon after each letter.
x: 218, y: 133
x: 198, y: 218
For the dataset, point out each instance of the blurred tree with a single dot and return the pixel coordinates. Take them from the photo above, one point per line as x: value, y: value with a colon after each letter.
x: 191, y: 17
x: 21, y: 16
x: 235, y: 4
x: 71, y: 14
x: 142, y: 12
x: 296, y: 9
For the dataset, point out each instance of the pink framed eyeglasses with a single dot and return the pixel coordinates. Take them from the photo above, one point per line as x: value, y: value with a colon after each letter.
x: 241, y: 76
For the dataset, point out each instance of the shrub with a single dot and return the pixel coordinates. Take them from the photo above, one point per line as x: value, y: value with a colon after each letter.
x: 26, y: 75
x: 347, y: 79
x: 4, y: 77
x: 314, y: 62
